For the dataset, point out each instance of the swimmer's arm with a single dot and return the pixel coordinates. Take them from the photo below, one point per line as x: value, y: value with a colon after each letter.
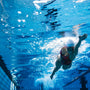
x: 58, y: 57
x: 77, y: 46
x: 81, y: 38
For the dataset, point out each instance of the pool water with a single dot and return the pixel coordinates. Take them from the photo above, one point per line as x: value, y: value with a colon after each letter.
x: 32, y: 32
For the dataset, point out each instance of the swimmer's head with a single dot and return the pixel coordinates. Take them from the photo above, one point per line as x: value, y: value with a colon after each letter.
x: 70, y: 43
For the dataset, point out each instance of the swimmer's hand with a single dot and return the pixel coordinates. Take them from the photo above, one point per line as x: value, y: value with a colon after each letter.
x: 83, y: 37
x: 51, y: 76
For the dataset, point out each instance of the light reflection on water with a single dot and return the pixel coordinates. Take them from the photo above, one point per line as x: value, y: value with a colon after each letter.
x: 33, y: 35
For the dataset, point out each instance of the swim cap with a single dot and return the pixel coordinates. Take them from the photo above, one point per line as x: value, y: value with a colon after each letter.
x: 70, y: 43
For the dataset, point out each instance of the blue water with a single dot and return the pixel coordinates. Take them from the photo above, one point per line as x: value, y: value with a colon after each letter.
x: 30, y: 40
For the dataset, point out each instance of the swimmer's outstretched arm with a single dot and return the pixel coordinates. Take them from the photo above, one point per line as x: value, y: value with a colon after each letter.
x: 57, y: 67
x: 54, y: 71
x: 81, y: 38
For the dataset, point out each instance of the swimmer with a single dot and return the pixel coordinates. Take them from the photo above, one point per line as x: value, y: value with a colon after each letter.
x: 67, y: 55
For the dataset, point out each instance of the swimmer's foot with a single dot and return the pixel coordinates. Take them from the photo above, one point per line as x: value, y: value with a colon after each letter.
x: 83, y: 37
